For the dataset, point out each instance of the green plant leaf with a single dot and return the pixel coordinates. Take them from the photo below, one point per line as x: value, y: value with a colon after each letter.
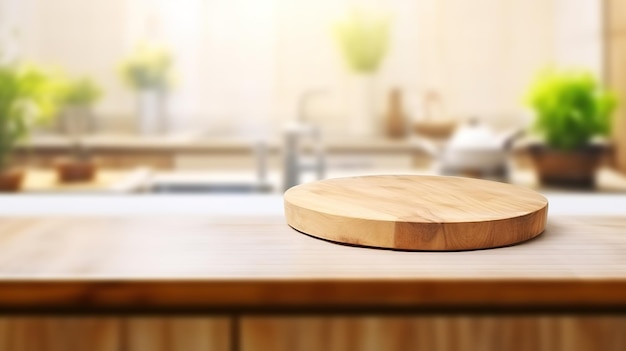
x: 28, y: 96
x: 81, y: 91
x: 148, y: 67
x: 364, y: 39
x: 570, y: 107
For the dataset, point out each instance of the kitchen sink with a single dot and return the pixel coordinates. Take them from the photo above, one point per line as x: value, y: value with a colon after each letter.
x: 212, y: 188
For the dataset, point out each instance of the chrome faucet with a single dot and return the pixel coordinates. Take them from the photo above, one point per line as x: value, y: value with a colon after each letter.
x: 293, y: 151
x: 261, y: 153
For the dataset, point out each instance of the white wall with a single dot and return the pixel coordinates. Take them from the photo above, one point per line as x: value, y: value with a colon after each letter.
x: 242, y: 64
x: 480, y: 54
x: 83, y: 37
x: 578, y: 35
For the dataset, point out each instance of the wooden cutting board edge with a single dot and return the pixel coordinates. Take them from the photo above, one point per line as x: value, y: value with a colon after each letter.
x: 403, y: 235
x: 405, y: 239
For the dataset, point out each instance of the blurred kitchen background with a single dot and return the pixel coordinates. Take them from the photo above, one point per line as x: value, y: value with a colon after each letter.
x: 244, y: 96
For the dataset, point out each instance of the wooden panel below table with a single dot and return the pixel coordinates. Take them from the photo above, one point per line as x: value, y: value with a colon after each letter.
x: 293, y: 333
x: 114, y: 334
x: 62, y: 334
x: 173, y: 334
x: 435, y: 333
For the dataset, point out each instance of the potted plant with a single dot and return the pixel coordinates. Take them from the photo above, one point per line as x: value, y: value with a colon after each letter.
x: 363, y: 37
x: 572, y: 110
x: 148, y: 70
x: 28, y: 96
x: 77, y: 99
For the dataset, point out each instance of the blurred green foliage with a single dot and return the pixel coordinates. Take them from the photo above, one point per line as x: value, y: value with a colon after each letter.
x: 571, y: 108
x: 148, y: 67
x: 80, y: 92
x: 363, y: 36
x: 29, y: 96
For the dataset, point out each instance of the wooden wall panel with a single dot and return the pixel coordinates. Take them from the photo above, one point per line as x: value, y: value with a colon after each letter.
x: 616, y: 79
x: 431, y: 333
x: 614, y: 16
x: 615, y: 70
x: 59, y: 334
x: 435, y: 334
x: 177, y: 334
x: 114, y: 334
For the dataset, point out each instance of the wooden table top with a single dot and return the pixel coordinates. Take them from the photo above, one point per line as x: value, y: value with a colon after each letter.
x: 252, y: 262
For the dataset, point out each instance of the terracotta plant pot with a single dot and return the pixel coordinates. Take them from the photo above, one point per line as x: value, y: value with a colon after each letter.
x: 576, y: 168
x: 72, y: 171
x: 11, y: 180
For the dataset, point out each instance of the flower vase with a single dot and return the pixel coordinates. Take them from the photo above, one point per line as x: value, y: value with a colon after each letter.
x: 151, y: 112
x: 362, y: 117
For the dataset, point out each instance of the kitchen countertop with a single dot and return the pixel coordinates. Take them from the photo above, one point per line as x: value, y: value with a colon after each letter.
x: 236, y: 253
x: 193, y: 143
x: 112, y: 181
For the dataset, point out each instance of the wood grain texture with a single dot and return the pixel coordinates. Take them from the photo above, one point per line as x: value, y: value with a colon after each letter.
x: 63, y: 333
x: 614, y: 40
x: 417, y: 212
x: 435, y: 333
x: 60, y: 334
x: 192, y: 263
x: 304, y: 333
x: 177, y: 334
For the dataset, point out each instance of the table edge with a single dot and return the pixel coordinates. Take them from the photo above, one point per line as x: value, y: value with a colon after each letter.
x: 286, y: 294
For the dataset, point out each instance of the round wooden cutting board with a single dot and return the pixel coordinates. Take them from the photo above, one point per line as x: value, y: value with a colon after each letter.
x: 416, y: 212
